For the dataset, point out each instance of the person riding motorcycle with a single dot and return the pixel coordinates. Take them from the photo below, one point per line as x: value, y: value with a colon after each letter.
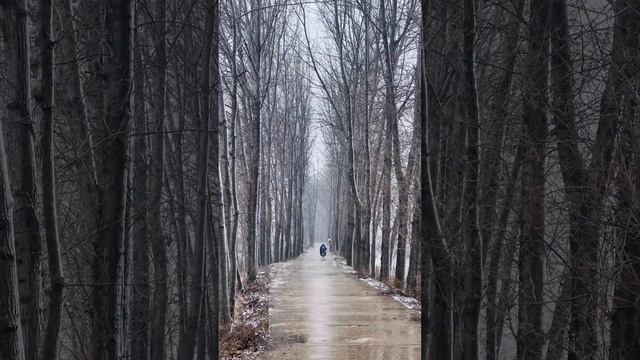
x: 323, y: 250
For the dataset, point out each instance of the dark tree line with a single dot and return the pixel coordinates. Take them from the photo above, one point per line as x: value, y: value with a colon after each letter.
x: 152, y: 153
x: 556, y: 241
x: 489, y: 145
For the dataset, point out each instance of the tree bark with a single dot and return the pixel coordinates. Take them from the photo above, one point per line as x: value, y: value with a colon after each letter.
x: 625, y: 319
x: 530, y: 336
x: 141, y: 303
x: 12, y: 341
x: 473, y: 273
x: 54, y: 311
x: 109, y: 240
x: 195, y: 319
x: 19, y: 136
x: 585, y: 188
x: 432, y: 243
x: 254, y: 168
x: 156, y: 185
x: 496, y: 310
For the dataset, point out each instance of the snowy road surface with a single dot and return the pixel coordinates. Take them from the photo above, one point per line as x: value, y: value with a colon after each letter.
x: 318, y: 311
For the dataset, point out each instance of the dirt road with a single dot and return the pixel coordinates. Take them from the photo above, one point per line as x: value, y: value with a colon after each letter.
x: 318, y: 311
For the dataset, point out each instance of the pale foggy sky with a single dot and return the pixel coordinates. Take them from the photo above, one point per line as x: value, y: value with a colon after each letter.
x: 317, y: 37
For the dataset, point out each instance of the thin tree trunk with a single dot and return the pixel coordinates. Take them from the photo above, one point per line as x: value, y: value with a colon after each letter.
x: 233, y: 267
x: 385, y: 258
x: 473, y: 278
x: 141, y: 307
x: 156, y: 184
x: 229, y: 201
x: 54, y: 311
x: 225, y: 195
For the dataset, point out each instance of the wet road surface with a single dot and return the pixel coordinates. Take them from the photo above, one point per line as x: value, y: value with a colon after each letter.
x: 318, y: 311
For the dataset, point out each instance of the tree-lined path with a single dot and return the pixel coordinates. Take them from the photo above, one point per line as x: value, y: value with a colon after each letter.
x: 319, y: 312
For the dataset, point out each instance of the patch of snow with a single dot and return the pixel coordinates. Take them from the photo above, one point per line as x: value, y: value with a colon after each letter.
x: 376, y: 284
x: 408, y: 302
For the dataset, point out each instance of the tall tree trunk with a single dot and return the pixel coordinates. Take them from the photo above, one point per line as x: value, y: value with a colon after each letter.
x: 109, y: 242
x: 141, y: 305
x: 54, y: 311
x: 234, y: 213
x: 414, y: 152
x: 12, y: 341
x: 432, y: 243
x: 19, y: 134
x: 254, y: 169
x: 530, y: 338
x: 196, y: 319
x: 156, y: 184
x: 473, y: 272
x: 414, y: 255
x: 225, y: 196
x: 490, y: 178
x: 385, y: 258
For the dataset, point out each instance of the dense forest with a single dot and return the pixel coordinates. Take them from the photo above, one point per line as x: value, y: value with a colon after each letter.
x: 480, y: 155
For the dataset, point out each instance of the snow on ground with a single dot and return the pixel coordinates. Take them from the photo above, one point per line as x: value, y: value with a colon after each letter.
x: 384, y: 289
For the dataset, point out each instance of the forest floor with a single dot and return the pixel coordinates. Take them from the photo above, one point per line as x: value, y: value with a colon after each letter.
x: 247, y: 338
x: 319, y: 309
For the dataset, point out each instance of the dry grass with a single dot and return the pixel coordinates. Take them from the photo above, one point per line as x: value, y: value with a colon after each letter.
x: 247, y: 336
